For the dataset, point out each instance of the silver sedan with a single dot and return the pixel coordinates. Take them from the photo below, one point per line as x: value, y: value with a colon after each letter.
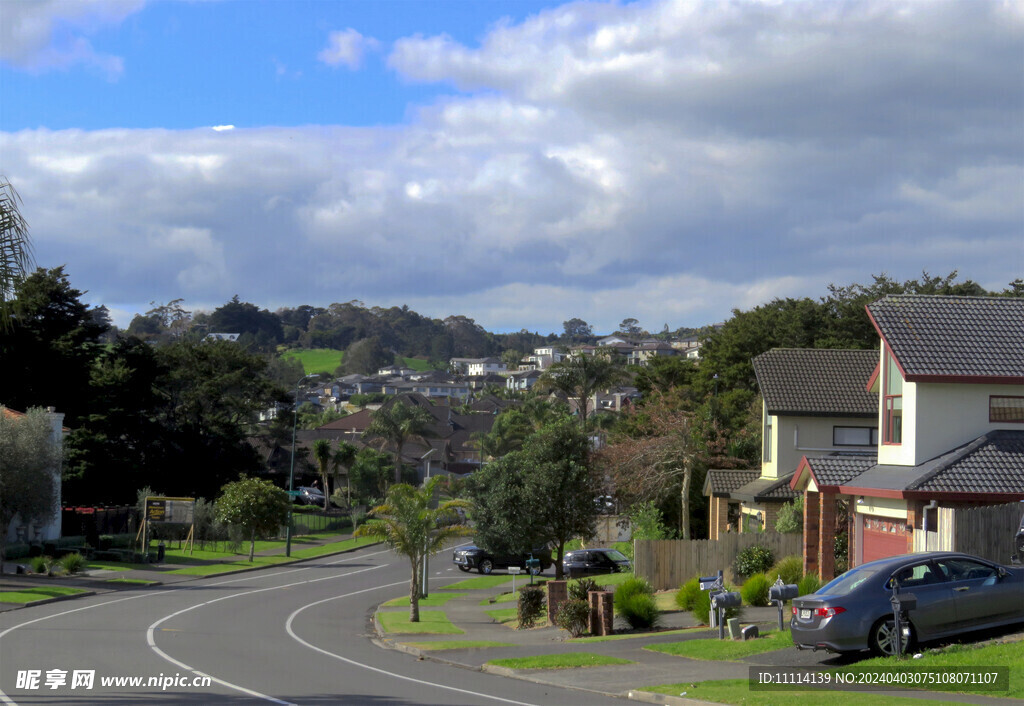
x: 955, y: 593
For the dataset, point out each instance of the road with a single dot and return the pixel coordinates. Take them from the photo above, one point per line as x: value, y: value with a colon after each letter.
x: 299, y: 634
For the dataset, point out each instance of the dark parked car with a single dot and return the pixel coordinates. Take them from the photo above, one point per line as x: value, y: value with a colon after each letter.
x: 955, y: 593
x: 587, y: 562
x: 1018, y: 543
x: 310, y: 496
x: 472, y: 557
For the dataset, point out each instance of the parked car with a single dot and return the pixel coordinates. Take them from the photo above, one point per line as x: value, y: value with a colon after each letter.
x: 1018, y: 543
x: 309, y: 496
x: 473, y: 557
x: 588, y: 562
x: 955, y: 593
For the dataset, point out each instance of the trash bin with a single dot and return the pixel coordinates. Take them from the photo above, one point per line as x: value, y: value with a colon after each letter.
x: 161, y: 550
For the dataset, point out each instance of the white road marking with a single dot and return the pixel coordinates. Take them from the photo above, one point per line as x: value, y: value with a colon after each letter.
x: 291, y: 618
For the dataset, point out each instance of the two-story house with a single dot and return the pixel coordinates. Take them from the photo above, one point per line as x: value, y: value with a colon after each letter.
x: 949, y: 381
x: 814, y: 403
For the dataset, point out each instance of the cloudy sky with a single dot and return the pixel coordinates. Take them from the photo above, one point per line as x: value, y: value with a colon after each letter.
x: 520, y: 163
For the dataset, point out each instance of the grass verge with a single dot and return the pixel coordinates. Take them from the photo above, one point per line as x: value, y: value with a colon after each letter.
x: 137, y: 582
x: 432, y: 622
x: 479, y: 582
x: 633, y: 636
x: 27, y: 595
x: 716, y: 649
x: 307, y: 553
x: 569, y: 660
x: 737, y: 691
x: 433, y: 600
x: 457, y: 644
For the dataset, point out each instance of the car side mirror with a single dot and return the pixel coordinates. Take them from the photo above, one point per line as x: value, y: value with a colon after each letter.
x: 1002, y: 573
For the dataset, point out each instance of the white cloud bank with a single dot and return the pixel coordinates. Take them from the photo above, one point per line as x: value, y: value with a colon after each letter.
x: 346, y: 48
x: 666, y: 161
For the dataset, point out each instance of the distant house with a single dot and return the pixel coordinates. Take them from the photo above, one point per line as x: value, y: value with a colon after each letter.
x: 522, y: 380
x: 643, y: 353
x: 223, y: 337
x: 49, y: 527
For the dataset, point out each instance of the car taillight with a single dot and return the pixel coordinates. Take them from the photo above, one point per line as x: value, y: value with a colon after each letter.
x: 794, y: 610
x: 829, y: 612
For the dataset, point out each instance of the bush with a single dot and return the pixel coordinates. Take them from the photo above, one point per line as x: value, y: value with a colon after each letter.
x: 702, y: 607
x: 790, y: 518
x: 687, y: 594
x: 531, y: 605
x: 639, y: 610
x: 635, y: 586
x: 755, y: 559
x: 809, y: 584
x: 574, y: 616
x: 72, y: 563
x: 579, y: 589
x: 44, y: 565
x: 789, y: 568
x: 18, y: 550
x: 755, y: 590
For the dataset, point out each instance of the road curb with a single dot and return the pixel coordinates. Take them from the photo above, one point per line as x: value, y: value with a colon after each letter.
x: 58, y: 599
x: 649, y: 697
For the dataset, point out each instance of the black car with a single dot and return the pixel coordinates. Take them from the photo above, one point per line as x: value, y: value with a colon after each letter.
x: 472, y: 557
x: 309, y: 496
x: 588, y: 562
x: 1018, y: 543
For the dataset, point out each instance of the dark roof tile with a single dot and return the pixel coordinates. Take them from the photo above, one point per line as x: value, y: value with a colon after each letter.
x: 720, y: 482
x: 817, y: 382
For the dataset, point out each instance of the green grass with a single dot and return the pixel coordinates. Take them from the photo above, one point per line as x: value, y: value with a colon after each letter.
x: 317, y: 360
x: 432, y: 622
x: 27, y: 595
x: 479, y: 582
x: 307, y: 553
x: 737, y: 691
x: 633, y: 636
x: 612, y: 580
x: 416, y: 364
x: 139, y: 582
x: 716, y: 649
x: 113, y: 566
x: 510, y: 596
x: 503, y: 615
x: 457, y: 644
x: 433, y: 600
x: 563, y: 661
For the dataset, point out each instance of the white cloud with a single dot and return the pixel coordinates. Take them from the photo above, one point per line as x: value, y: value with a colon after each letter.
x: 346, y: 48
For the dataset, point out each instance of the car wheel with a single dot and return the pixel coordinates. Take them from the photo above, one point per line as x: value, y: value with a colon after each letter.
x: 463, y: 568
x: 883, y: 638
x: 486, y: 566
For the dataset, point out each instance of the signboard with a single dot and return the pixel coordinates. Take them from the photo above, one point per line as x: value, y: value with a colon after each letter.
x: 177, y: 510
x: 514, y: 570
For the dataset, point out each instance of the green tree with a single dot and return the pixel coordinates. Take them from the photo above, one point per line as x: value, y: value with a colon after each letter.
x: 577, y: 330
x: 366, y: 356
x: 791, y: 516
x: 29, y: 463
x: 397, y: 424
x: 241, y: 317
x: 344, y: 457
x: 579, y: 377
x: 368, y: 474
x: 511, y: 358
x: 324, y: 458
x: 415, y: 525
x: 630, y: 328
x: 507, y: 434
x: 257, y: 506
x: 15, y: 247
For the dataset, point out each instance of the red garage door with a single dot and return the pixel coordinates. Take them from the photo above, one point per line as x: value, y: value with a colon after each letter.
x: 883, y: 536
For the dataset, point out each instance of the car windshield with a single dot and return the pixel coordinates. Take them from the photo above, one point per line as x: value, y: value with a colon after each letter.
x: 845, y: 583
x: 616, y: 555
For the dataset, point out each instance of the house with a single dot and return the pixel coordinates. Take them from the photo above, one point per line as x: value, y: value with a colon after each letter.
x: 949, y: 384
x: 477, y: 366
x: 45, y: 528
x: 232, y: 337
x: 644, y: 352
x: 814, y: 403
x: 522, y: 380
x: 543, y: 358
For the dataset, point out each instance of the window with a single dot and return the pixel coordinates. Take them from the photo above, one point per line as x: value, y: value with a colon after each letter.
x: 1006, y: 409
x: 854, y: 436
x: 893, y: 402
x: 767, y: 438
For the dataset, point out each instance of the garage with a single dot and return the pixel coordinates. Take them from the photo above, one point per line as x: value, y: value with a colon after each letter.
x: 882, y: 537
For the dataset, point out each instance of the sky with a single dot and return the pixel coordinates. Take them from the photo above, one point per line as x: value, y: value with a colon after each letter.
x: 520, y: 163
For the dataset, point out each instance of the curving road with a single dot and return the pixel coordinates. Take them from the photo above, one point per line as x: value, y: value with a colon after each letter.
x: 294, y: 635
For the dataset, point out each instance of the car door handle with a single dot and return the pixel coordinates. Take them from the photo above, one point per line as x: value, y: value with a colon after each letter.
x: 962, y: 588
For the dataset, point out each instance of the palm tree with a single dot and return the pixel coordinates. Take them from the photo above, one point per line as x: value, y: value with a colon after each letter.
x: 15, y: 247
x: 343, y: 458
x: 397, y: 424
x: 580, y: 376
x: 408, y: 524
x: 322, y: 454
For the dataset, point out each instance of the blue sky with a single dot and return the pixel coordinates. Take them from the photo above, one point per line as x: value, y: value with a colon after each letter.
x: 521, y: 163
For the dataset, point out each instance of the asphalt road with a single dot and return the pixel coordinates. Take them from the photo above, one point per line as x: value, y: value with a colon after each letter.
x: 299, y: 634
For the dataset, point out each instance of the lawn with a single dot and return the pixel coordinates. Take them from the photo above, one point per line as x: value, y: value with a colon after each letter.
x: 503, y: 615
x: 317, y: 360
x: 136, y: 582
x: 633, y: 636
x: 27, y: 595
x: 737, y: 691
x: 432, y: 622
x: 457, y: 644
x: 725, y: 649
x: 569, y: 660
x: 479, y: 582
x: 432, y: 601
x: 209, y: 569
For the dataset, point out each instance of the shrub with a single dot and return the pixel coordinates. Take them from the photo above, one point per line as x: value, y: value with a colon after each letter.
x: 702, y: 607
x: 573, y: 615
x: 579, y: 589
x: 755, y: 559
x: 639, y: 610
x: 44, y: 565
x: 72, y: 563
x: 789, y: 568
x: 809, y: 584
x: 19, y: 550
x: 790, y: 518
x: 755, y: 590
x: 358, y: 517
x: 687, y: 594
x: 629, y: 588
x: 531, y: 605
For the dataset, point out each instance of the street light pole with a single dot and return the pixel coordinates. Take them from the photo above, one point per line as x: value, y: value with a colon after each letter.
x: 291, y: 470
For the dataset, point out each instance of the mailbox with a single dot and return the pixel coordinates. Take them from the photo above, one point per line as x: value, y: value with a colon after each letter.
x: 783, y: 592
x: 726, y: 599
x: 708, y: 582
x: 533, y: 565
x: 903, y: 601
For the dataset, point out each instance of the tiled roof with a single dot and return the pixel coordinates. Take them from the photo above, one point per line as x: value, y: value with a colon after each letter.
x: 766, y: 489
x: 840, y: 469
x: 953, y: 336
x: 993, y: 463
x: 721, y: 482
x: 817, y: 382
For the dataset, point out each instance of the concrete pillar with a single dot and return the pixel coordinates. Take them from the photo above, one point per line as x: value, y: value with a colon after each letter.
x: 811, y: 537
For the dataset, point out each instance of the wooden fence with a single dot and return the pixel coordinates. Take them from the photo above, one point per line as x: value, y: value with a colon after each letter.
x: 667, y: 563
x: 987, y: 531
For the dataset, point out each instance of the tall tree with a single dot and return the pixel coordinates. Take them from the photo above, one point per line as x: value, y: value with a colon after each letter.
x: 29, y: 468
x: 630, y: 328
x: 577, y: 330
x: 580, y: 376
x: 257, y: 506
x: 397, y: 424
x: 415, y: 525
x: 323, y: 457
x: 366, y: 356
x: 15, y: 246
x: 344, y: 457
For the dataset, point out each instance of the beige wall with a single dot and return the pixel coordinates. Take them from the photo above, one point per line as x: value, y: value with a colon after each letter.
x: 796, y: 437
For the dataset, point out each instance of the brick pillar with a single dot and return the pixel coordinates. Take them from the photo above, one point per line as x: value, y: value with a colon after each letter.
x: 594, y: 624
x: 771, y: 514
x: 827, y: 534
x: 558, y: 593
x: 605, y: 623
x: 811, y: 538
x: 851, y: 536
